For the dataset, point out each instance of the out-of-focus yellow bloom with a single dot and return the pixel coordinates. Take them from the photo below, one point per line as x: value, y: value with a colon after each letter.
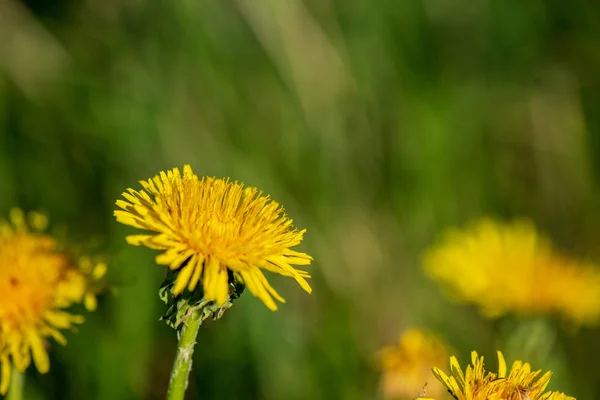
x: 521, y: 383
x: 508, y: 267
x: 406, y: 367
x: 37, y: 283
x: 208, y: 227
x: 95, y: 272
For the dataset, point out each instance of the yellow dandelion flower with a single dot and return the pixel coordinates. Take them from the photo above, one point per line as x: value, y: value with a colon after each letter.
x: 38, y: 282
x: 509, y: 267
x: 520, y: 383
x: 406, y: 367
x: 210, y: 227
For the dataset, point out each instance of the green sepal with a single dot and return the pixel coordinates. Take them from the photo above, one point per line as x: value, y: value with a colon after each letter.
x: 181, y: 306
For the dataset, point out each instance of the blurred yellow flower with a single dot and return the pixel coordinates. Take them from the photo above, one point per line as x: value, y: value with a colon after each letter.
x: 406, y: 366
x: 476, y: 384
x: 38, y: 282
x: 209, y: 227
x: 94, y: 271
x: 508, y: 267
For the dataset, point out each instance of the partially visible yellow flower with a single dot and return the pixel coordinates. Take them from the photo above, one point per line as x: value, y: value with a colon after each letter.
x: 475, y: 383
x: 38, y: 282
x: 95, y: 272
x: 508, y: 268
x: 406, y: 366
x: 210, y: 228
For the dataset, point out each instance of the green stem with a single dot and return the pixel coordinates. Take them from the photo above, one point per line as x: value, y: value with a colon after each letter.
x: 183, y: 360
x: 17, y: 382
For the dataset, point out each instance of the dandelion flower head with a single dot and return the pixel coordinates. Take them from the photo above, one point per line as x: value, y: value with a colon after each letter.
x: 509, y: 268
x: 475, y: 383
x: 210, y: 229
x: 38, y: 283
x: 406, y: 367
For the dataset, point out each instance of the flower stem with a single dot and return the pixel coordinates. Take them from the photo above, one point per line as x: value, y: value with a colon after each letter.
x: 183, y: 359
x: 17, y: 382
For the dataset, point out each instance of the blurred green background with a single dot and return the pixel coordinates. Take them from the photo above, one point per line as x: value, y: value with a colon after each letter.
x: 377, y: 124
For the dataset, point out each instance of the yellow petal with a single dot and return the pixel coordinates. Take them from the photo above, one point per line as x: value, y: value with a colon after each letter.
x: 294, y: 253
x: 161, y: 242
x: 85, y: 264
x: 501, y: 365
x: 298, y: 260
x: 19, y: 358
x: 258, y: 290
x: 132, y: 199
x: 180, y: 259
x: 56, y: 335
x: 199, y: 260
x: 126, y: 218
x: 280, y: 262
x: 442, y: 377
x: 99, y: 271
x: 40, y: 355
x: 4, y: 375
x: 122, y: 204
x: 138, y: 240
x: 263, y: 280
x: 38, y: 221
x: 183, y: 278
x: 474, y: 358
x: 167, y: 257
x: 216, y: 286
x: 457, y: 371
x: 544, y: 381
x: 59, y: 319
x: 90, y: 302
